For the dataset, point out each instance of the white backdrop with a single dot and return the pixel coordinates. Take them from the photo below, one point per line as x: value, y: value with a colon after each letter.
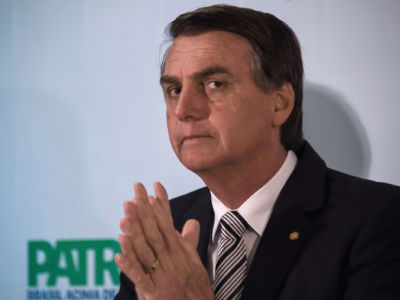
x: 82, y: 113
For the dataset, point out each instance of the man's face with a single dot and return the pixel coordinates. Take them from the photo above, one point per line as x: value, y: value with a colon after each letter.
x: 216, y: 114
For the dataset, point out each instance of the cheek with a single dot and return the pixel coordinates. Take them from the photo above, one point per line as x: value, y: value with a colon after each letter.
x: 241, y: 124
x: 171, y: 126
x: 170, y: 117
x: 174, y: 134
x: 226, y: 129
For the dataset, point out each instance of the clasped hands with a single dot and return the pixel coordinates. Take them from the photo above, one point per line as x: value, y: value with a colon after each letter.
x: 161, y: 262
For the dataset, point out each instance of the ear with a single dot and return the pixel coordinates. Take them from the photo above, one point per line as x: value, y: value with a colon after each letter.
x: 283, y: 104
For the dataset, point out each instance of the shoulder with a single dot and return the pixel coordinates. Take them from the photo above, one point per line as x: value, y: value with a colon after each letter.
x: 370, y: 217
x: 359, y: 207
x: 344, y: 186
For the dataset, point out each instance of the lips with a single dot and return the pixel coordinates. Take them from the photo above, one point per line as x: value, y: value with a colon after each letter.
x: 194, y: 138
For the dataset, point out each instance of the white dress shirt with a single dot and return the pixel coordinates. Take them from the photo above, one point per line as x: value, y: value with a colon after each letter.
x: 256, y: 210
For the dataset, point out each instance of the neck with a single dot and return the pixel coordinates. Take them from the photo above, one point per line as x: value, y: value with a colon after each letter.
x: 234, y: 184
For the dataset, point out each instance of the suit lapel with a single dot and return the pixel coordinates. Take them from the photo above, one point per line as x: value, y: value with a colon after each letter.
x: 201, y: 210
x: 290, y: 225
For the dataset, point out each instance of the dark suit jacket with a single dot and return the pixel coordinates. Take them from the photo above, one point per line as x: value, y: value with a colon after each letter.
x: 348, y: 245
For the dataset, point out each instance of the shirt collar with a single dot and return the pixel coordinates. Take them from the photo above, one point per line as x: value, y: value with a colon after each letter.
x: 257, y: 209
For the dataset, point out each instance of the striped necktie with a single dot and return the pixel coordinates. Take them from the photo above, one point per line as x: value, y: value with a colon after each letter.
x: 231, y: 268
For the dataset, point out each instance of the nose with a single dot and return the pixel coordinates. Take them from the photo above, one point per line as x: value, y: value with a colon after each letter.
x: 192, y: 104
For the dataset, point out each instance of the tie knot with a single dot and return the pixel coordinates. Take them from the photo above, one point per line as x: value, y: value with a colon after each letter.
x: 233, y: 225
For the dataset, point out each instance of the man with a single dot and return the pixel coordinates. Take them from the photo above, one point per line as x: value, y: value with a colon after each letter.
x: 274, y: 222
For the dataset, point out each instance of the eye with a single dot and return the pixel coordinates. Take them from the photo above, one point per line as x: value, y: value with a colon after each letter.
x: 215, y: 84
x: 174, y: 91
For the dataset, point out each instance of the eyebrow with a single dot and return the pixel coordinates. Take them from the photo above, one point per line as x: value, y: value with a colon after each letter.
x: 166, y: 79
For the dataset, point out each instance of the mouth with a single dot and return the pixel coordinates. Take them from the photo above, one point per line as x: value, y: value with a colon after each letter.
x: 194, y: 138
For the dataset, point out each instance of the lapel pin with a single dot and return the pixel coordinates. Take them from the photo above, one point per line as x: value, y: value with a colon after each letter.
x: 294, y: 236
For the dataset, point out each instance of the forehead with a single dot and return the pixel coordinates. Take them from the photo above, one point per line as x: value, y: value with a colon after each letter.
x: 189, y: 53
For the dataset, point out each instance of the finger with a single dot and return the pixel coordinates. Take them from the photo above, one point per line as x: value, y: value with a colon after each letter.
x: 130, y: 265
x: 129, y: 208
x: 165, y: 220
x: 165, y: 225
x: 134, y: 233
x: 146, y: 216
x: 139, y: 294
x: 140, y: 192
x: 162, y: 196
x: 191, y: 232
x: 188, y: 251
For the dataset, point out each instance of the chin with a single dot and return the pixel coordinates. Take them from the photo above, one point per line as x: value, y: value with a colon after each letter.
x: 197, y: 165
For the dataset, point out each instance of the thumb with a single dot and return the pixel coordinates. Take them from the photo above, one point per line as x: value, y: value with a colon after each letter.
x: 191, y: 232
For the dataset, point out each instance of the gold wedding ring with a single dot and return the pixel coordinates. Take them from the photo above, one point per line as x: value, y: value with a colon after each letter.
x: 155, y: 265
